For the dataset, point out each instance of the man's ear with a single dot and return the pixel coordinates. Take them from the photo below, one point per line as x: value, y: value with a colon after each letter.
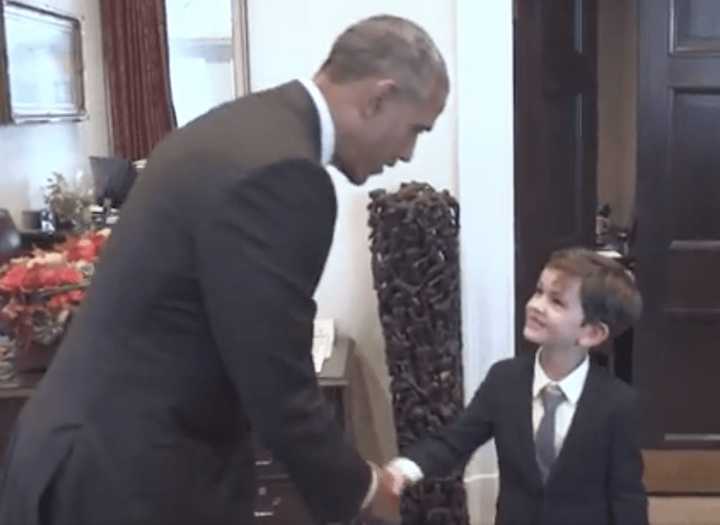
x: 380, y: 91
x: 594, y: 334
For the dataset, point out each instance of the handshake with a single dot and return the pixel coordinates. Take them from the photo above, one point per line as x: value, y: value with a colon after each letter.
x: 391, y: 482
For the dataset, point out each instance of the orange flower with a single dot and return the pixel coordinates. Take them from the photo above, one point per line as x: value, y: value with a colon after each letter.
x: 50, y: 272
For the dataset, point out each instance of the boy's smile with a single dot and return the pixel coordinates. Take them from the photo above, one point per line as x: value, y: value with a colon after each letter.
x: 554, y: 314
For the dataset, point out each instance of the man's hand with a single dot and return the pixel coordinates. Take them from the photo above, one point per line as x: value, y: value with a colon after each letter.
x: 385, y: 504
x: 398, y: 481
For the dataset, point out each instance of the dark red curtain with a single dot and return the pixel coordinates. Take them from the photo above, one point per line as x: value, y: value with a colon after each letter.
x: 4, y: 80
x: 137, y: 69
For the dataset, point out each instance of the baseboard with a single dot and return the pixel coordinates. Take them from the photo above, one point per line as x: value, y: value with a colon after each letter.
x: 481, y: 497
x: 682, y: 472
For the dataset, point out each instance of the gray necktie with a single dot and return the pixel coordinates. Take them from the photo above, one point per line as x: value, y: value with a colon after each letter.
x: 545, y: 450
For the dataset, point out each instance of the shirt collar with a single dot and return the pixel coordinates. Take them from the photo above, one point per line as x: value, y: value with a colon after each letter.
x: 327, y: 127
x: 571, y: 385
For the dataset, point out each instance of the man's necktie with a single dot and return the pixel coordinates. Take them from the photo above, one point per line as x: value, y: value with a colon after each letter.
x: 545, y: 450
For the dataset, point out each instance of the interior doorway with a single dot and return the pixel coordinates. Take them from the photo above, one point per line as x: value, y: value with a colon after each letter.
x: 555, y: 135
x: 617, y: 104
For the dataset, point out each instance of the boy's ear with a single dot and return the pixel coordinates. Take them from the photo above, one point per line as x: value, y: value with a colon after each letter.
x: 594, y: 334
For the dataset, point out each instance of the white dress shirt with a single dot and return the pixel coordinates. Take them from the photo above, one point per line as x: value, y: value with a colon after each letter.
x: 327, y: 126
x: 571, y: 386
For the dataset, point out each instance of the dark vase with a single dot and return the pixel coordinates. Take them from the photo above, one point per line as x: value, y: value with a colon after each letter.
x: 34, y: 357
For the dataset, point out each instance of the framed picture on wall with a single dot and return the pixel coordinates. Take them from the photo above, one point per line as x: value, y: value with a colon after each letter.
x: 42, y: 67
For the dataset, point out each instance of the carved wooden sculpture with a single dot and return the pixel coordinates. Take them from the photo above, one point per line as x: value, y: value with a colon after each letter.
x: 415, y: 264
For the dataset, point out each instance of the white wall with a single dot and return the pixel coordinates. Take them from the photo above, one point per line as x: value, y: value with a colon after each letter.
x: 29, y: 153
x: 469, y: 152
x: 485, y: 174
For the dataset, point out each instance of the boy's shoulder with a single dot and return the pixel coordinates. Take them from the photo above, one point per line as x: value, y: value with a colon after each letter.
x: 615, y: 391
x: 613, y: 383
x: 614, y: 388
x: 516, y: 364
x: 524, y: 362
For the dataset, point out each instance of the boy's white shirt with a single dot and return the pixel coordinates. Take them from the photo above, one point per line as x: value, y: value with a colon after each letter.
x: 571, y: 386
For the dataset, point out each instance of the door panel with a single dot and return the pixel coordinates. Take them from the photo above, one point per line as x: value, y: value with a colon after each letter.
x: 695, y: 26
x: 678, y: 210
x: 694, y: 140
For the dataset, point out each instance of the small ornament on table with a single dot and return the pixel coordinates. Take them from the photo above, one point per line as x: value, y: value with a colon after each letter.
x: 69, y: 203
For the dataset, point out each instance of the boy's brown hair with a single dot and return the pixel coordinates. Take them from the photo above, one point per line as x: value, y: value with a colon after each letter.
x: 608, y: 292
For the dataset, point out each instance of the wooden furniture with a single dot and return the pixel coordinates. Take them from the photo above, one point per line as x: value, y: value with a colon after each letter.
x: 11, y: 401
x: 277, y: 500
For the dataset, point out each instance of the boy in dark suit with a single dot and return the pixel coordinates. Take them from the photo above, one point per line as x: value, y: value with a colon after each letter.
x: 564, y: 428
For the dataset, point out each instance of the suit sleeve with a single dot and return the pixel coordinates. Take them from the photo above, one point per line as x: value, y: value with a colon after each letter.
x: 628, y: 500
x: 261, y: 245
x: 451, y: 447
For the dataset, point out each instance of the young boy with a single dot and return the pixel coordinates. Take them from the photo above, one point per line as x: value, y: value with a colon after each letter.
x: 565, y: 429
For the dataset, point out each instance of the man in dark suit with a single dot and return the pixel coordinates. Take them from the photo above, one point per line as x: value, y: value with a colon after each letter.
x: 564, y: 429
x: 197, y: 328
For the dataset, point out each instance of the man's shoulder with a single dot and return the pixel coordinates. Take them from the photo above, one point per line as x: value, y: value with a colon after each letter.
x: 234, y: 134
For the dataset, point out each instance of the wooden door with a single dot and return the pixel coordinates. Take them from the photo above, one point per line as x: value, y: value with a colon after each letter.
x: 555, y: 135
x: 677, y: 359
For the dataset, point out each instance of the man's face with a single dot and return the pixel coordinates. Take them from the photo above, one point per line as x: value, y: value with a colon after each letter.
x: 554, y: 314
x: 386, y: 132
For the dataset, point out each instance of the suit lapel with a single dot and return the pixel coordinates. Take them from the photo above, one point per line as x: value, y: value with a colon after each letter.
x: 526, y: 447
x: 585, y: 412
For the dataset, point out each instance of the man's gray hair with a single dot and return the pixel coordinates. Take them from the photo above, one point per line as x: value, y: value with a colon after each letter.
x: 392, y: 47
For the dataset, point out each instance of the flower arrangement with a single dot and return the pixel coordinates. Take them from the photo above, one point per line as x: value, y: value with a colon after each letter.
x: 69, y: 203
x: 39, y: 291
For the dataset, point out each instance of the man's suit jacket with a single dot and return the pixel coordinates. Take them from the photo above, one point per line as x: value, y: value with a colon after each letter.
x: 597, y: 477
x: 197, y: 328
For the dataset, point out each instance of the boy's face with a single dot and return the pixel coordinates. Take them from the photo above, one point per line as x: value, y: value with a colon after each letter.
x: 554, y: 314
